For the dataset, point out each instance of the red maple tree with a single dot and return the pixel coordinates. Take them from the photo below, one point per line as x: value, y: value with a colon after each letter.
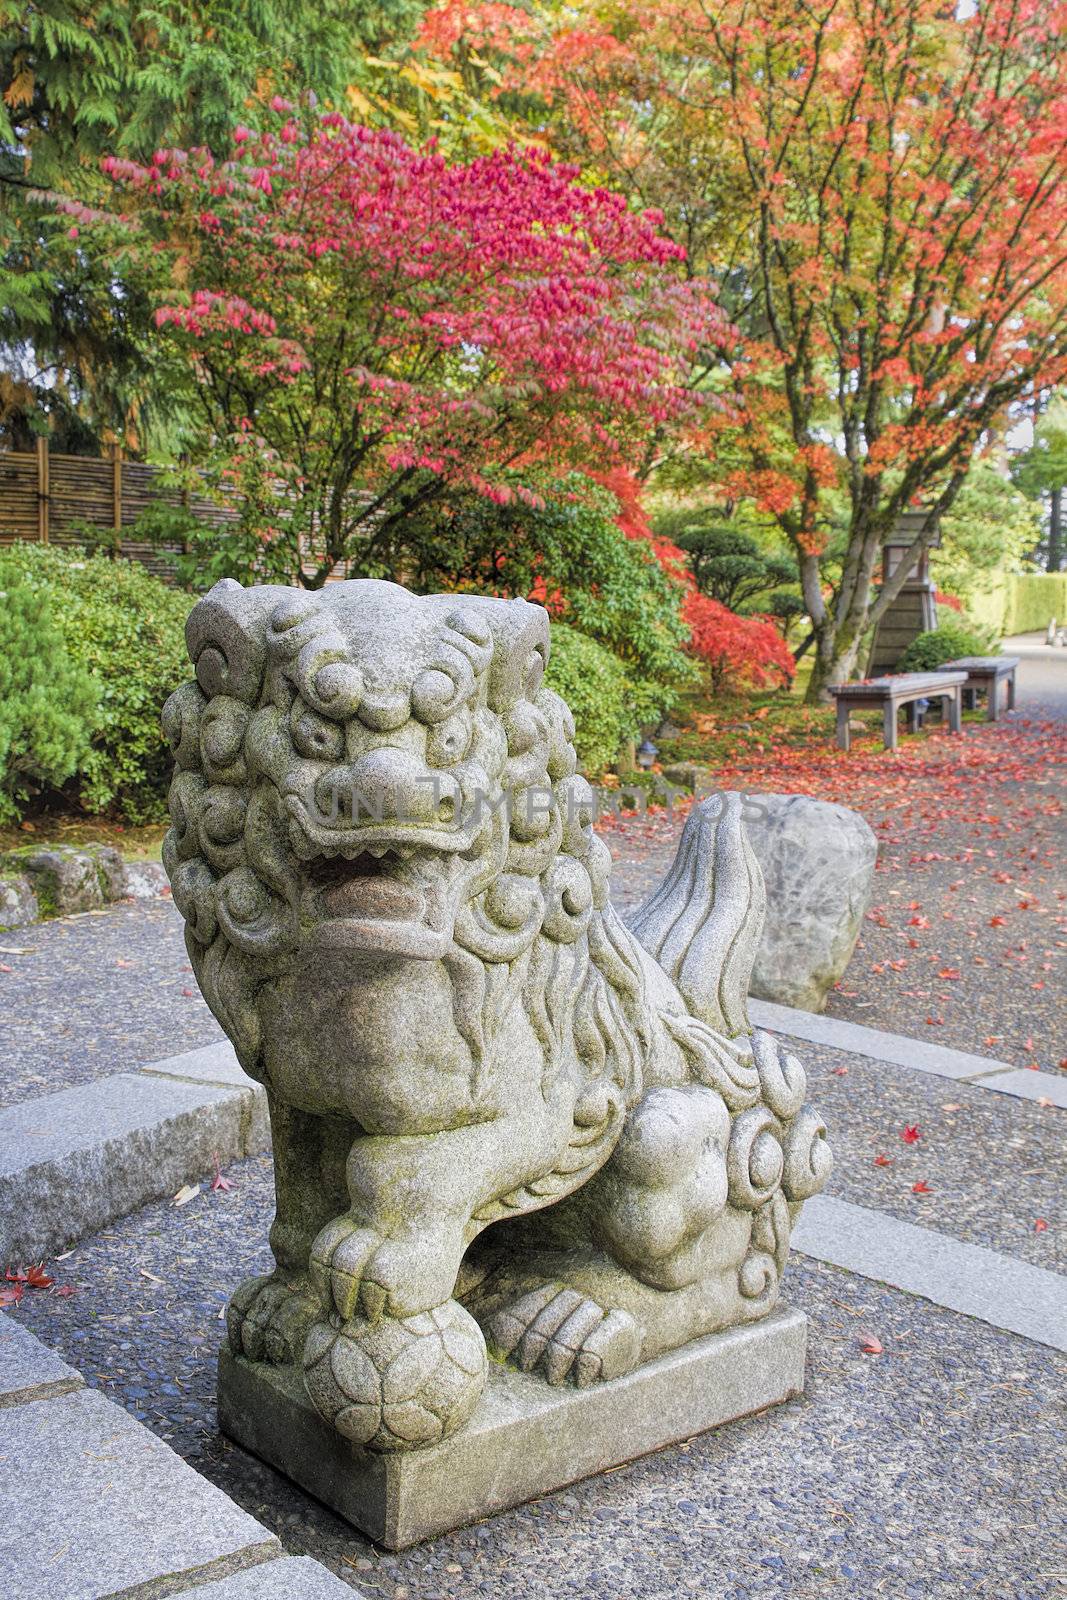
x: 367, y: 327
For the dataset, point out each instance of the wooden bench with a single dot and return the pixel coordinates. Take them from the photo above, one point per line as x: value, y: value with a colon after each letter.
x: 987, y: 673
x: 892, y: 692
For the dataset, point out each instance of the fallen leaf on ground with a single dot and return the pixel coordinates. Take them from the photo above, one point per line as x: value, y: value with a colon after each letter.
x: 1040, y: 1225
x: 11, y: 1297
x: 187, y: 1192
x: 149, y: 1275
x: 218, y: 1182
x: 882, y: 1161
x: 870, y: 1346
x: 911, y: 1134
x: 922, y: 1187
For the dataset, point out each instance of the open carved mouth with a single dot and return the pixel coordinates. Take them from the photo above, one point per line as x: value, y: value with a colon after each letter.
x: 386, y: 897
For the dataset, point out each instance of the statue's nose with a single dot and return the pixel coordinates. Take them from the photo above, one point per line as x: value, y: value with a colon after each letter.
x: 387, y: 786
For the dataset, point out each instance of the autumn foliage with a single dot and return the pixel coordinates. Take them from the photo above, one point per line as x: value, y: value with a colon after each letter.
x: 881, y: 186
x: 370, y: 326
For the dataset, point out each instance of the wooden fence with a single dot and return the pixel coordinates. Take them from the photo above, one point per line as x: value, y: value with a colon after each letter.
x: 43, y: 496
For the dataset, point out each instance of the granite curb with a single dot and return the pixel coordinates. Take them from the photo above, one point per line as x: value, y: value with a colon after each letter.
x: 981, y: 1072
x: 72, y: 1162
x: 109, y: 1510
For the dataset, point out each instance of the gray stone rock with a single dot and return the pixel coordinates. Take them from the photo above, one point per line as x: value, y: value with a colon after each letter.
x: 101, y: 1506
x: 28, y: 1369
x: 398, y: 909
x: 18, y: 902
x: 71, y: 1162
x: 690, y: 775
x: 293, y: 1578
x: 818, y: 867
x: 142, y: 880
x: 65, y: 880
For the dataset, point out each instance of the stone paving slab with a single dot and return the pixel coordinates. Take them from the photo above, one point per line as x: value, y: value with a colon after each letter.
x: 1008, y: 1294
x: 294, y: 1578
x: 94, y: 1504
x: 28, y: 1369
x: 71, y: 1162
x: 217, y: 1064
x: 1048, y: 1087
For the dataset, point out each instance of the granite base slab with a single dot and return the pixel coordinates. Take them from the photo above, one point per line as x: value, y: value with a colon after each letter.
x: 524, y: 1440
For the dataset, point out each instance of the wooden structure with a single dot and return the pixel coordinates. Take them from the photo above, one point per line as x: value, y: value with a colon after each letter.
x: 43, y: 496
x: 890, y: 693
x: 985, y: 674
x: 914, y: 610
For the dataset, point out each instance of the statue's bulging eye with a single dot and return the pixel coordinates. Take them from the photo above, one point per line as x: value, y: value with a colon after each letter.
x: 315, y: 737
x: 448, y: 742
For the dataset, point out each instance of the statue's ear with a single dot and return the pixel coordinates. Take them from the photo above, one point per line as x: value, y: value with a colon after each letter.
x: 225, y: 634
x: 520, y: 647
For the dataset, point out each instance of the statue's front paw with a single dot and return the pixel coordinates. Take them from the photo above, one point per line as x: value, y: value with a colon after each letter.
x: 267, y: 1320
x: 562, y: 1334
x: 361, y: 1273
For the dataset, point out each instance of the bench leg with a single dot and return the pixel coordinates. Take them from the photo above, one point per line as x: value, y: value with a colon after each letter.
x: 955, y: 711
x: 844, y: 737
x: 889, y: 723
x: 1011, y: 691
x: 914, y: 723
x: 992, y: 709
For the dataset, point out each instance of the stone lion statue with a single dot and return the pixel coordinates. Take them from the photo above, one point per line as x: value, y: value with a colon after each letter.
x: 503, y: 1121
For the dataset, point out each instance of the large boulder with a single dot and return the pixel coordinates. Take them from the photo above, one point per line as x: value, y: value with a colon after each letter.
x: 818, y: 865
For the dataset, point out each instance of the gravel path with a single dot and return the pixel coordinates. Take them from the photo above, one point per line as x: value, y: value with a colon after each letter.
x: 84, y: 996
x: 995, y: 1165
x: 931, y: 1470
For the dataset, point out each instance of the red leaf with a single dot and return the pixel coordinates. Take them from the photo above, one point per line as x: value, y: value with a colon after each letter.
x: 1040, y: 1225
x: 11, y: 1297
x: 922, y: 1187
x: 996, y: 922
x: 883, y: 1161
x: 869, y: 1345
x: 37, y: 1277
x: 64, y: 1290
x: 911, y: 1134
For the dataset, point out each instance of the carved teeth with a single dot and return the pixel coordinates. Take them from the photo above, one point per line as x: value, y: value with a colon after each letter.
x: 378, y: 850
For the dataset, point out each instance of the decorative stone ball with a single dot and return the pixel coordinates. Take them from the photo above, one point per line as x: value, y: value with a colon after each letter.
x: 397, y: 1385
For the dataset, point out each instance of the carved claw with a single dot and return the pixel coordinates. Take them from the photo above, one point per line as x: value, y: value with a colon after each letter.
x: 267, y: 1320
x: 565, y: 1335
x: 361, y: 1274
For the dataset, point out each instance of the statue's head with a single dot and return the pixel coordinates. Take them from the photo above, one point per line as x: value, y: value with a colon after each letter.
x: 366, y: 770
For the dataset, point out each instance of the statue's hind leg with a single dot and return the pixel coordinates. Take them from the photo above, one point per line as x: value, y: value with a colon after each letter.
x: 685, y: 1230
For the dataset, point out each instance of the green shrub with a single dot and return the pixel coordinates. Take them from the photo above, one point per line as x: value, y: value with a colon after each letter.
x: 594, y: 684
x: 125, y: 629
x: 48, y: 704
x: 943, y: 644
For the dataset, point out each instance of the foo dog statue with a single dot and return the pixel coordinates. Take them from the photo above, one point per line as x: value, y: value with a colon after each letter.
x: 501, y: 1119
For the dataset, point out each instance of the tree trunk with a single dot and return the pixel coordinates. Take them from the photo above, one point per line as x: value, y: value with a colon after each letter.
x: 836, y: 650
x: 1055, y: 532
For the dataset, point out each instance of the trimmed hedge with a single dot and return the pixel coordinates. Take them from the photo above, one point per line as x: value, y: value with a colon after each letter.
x: 125, y: 630
x: 595, y: 685
x: 943, y: 644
